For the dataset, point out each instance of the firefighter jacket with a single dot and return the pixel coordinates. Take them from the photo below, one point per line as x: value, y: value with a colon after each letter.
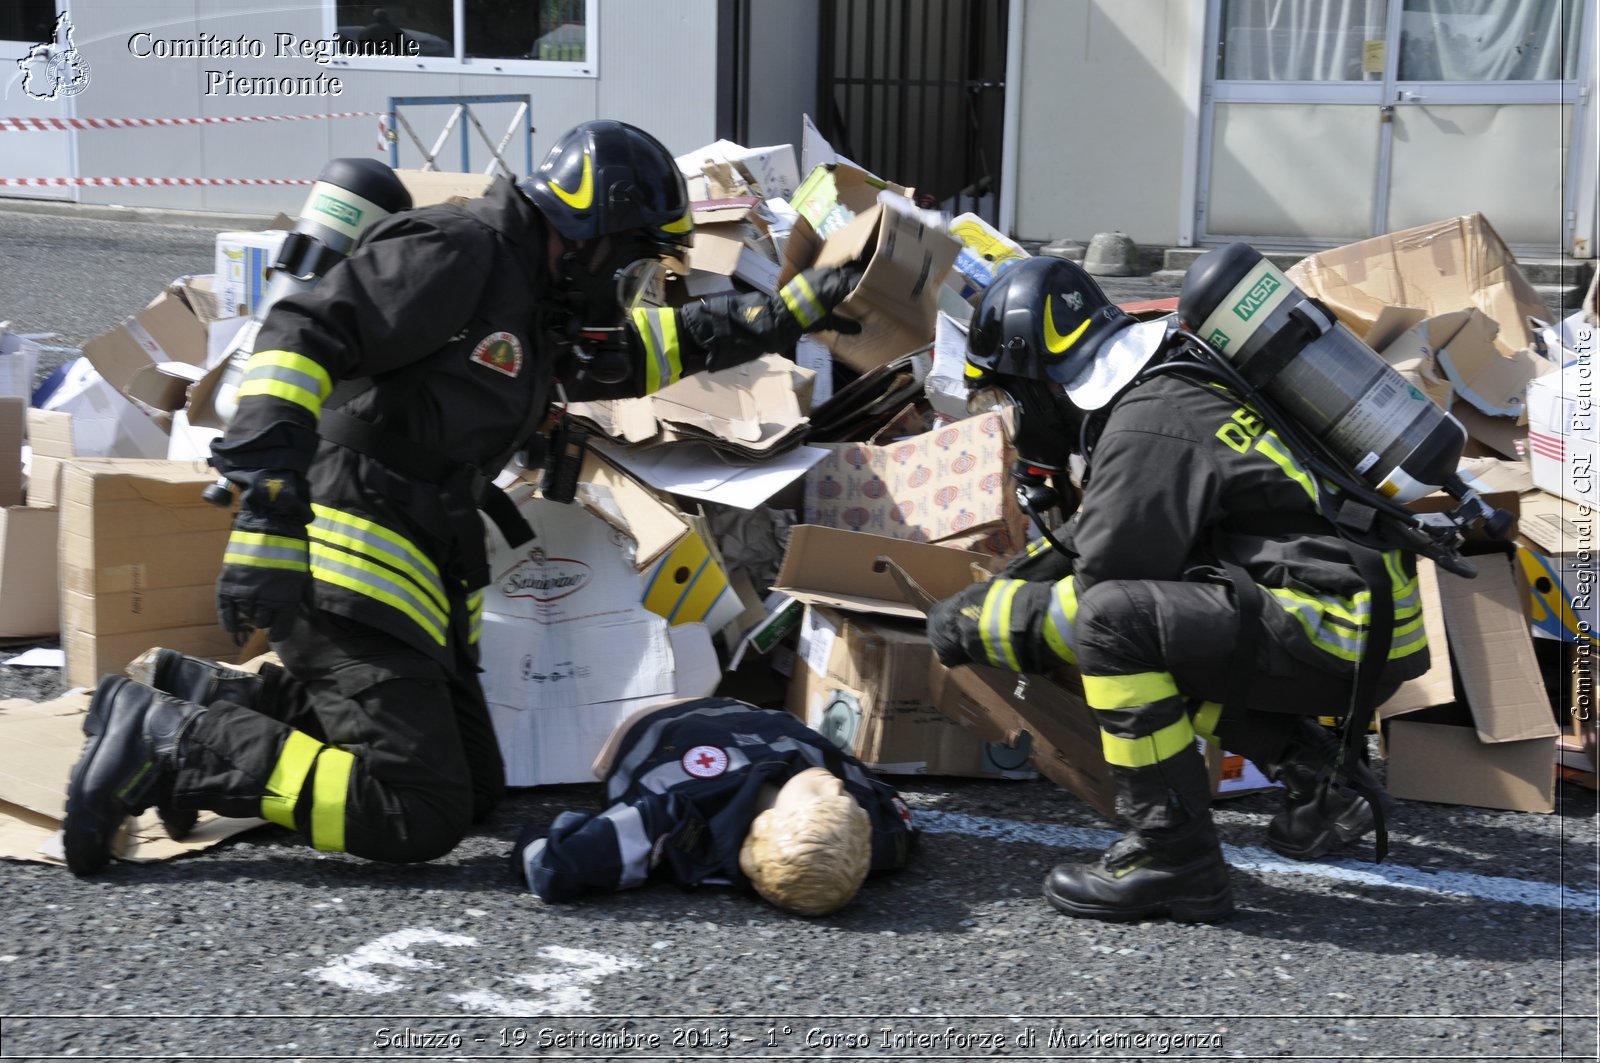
x: 440, y: 318
x: 686, y: 783
x: 1185, y: 476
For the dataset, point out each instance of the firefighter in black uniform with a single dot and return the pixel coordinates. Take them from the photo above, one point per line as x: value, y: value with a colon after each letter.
x: 371, y: 416
x: 1175, y: 591
x: 717, y: 791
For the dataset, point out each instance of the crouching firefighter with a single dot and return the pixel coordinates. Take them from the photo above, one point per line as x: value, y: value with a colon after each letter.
x: 1211, y: 581
x: 371, y: 416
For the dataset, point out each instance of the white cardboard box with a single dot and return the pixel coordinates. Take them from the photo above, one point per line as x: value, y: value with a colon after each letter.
x: 1563, y: 431
x: 242, y: 262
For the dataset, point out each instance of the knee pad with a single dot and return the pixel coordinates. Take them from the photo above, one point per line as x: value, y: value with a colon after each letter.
x: 1117, y: 630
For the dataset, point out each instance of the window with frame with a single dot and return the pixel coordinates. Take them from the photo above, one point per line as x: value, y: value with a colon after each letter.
x: 509, y: 36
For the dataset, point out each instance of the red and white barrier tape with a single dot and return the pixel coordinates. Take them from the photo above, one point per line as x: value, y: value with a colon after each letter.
x: 35, y: 125
x: 51, y: 182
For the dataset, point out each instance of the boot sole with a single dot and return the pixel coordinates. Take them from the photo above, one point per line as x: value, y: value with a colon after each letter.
x: 1208, y: 909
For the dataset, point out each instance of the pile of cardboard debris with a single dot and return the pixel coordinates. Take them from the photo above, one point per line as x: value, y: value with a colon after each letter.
x: 728, y: 530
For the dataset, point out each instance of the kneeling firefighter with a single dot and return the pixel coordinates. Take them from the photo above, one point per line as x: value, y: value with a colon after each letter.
x: 1213, y: 580
x: 371, y: 417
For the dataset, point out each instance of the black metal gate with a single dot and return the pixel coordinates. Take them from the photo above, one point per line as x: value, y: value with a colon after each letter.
x: 914, y: 90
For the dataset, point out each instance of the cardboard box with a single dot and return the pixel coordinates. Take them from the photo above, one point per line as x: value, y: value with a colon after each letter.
x: 1051, y: 724
x: 1232, y: 775
x: 154, y: 355
x: 50, y: 446
x: 1437, y: 268
x: 12, y: 422
x: 730, y: 244
x: 30, y: 598
x: 949, y: 482
x: 39, y: 744
x: 896, y: 301
x: 863, y: 683
x: 569, y: 646
x: 984, y: 253
x: 432, y: 186
x: 1494, y: 748
x: 1563, y: 433
x: 242, y: 262
x: 140, y: 554
x: 835, y: 193
x: 723, y: 166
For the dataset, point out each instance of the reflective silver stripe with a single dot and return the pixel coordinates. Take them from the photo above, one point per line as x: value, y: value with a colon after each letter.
x: 658, y: 331
x: 265, y: 551
x: 357, y: 534
x: 633, y: 845
x: 1060, y: 619
x: 1316, y: 624
x: 852, y: 772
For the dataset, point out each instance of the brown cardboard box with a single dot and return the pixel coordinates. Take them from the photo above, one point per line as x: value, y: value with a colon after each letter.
x: 154, y: 355
x: 11, y: 432
x: 29, y: 595
x: 1051, y: 724
x: 730, y: 243
x: 896, y: 301
x: 50, y: 439
x: 863, y: 683
x: 433, y: 186
x: 1496, y: 746
x: 861, y: 676
x: 140, y: 553
x: 1439, y: 267
x: 944, y: 483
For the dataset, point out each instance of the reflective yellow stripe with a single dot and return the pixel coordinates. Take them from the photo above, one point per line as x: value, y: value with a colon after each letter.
x: 288, y: 376
x: 325, y: 564
x: 357, y: 534
x: 288, y: 776
x: 1268, y: 445
x: 1151, y: 749
x: 475, y: 616
x: 265, y: 551
x: 329, y: 791
x: 1205, y: 720
x: 1128, y: 691
x: 802, y: 302
x: 994, y: 623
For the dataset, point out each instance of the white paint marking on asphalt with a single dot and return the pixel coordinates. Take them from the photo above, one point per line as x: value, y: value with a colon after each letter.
x: 564, y: 990
x: 350, y: 971
x: 1264, y: 861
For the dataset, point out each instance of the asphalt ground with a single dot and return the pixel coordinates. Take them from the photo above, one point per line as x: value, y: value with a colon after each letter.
x: 1475, y: 939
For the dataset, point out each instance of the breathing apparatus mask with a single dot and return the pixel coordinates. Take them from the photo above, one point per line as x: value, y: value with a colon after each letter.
x: 598, y: 292
x: 1036, y: 336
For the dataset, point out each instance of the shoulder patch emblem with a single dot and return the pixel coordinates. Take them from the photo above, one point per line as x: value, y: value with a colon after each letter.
x: 500, y: 351
x: 705, y: 762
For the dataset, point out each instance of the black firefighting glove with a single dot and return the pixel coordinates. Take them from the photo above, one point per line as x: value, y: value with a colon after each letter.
x: 267, y: 564
x: 990, y: 623
x: 734, y: 328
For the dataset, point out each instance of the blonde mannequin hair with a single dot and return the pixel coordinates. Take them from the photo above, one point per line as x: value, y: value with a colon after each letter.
x: 809, y: 853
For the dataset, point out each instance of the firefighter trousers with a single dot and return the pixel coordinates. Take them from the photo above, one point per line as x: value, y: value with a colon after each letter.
x: 367, y: 746
x: 1156, y: 660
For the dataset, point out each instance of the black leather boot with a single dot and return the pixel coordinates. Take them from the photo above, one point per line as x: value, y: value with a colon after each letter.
x: 1320, y: 813
x: 130, y: 757
x: 198, y: 680
x: 1144, y: 875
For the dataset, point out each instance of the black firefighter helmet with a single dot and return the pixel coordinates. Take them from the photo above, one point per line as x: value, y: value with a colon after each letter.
x: 606, y: 177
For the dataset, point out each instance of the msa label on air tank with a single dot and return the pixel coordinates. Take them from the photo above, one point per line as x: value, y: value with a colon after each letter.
x: 1251, y: 302
x: 341, y: 210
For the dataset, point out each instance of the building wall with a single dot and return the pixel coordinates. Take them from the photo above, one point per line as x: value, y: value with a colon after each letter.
x: 656, y: 68
x: 783, y: 72
x: 1102, y: 118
